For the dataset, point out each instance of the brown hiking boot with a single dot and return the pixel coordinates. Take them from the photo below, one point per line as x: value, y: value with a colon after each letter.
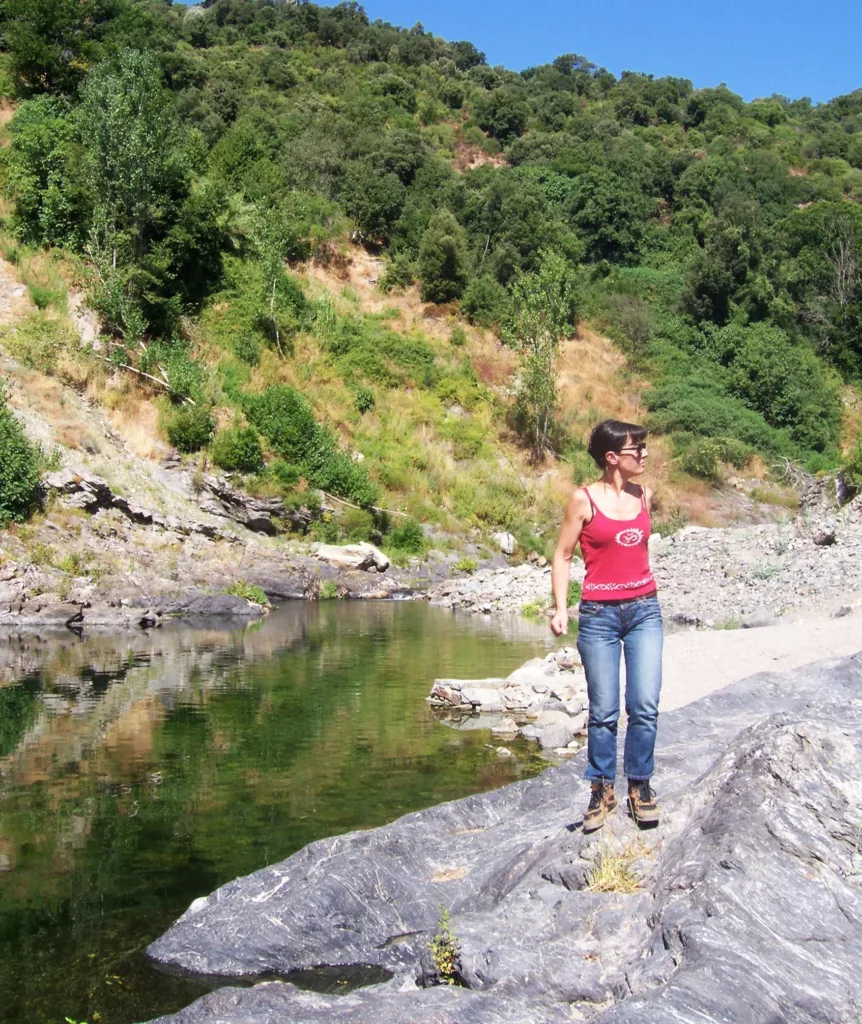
x: 602, y: 802
x: 642, y: 803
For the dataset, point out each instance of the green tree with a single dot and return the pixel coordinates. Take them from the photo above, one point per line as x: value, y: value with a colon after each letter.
x: 20, y: 467
x: 543, y: 313
x: 135, y: 169
x: 42, y: 174
x: 610, y: 214
x: 503, y: 113
x: 49, y: 41
x: 443, y: 259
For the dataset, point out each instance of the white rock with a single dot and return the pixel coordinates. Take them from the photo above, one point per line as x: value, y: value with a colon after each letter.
x: 505, y: 542
x: 352, y: 556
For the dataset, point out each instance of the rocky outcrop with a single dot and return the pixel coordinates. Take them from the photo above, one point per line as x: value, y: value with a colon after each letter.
x: 92, y: 494
x: 744, y: 905
x: 260, y: 515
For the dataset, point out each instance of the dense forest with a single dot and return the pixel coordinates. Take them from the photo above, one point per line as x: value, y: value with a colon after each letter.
x: 185, y: 157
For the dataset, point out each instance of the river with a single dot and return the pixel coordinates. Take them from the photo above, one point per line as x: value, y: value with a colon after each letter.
x: 141, y: 771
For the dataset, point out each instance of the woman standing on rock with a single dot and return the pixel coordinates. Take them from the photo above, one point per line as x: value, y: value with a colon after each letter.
x: 619, y: 607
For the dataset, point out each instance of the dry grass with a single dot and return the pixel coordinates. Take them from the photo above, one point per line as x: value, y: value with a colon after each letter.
x: 613, y: 871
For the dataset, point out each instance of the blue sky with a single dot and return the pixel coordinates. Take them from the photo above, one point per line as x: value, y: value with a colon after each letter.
x: 757, y: 47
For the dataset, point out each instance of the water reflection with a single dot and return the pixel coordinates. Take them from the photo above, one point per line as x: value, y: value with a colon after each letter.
x: 138, y: 772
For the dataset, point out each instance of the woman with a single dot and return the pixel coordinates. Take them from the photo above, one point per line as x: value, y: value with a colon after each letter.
x: 619, y: 606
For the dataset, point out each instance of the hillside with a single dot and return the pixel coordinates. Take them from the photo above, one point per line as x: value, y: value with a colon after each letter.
x: 320, y: 254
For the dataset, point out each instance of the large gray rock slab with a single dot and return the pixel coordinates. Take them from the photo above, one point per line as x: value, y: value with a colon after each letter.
x: 749, y: 907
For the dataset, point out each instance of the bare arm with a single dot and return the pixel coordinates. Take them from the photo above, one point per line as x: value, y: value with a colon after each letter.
x: 577, y: 513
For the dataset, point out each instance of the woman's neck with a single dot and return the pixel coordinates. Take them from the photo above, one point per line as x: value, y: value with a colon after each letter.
x: 613, y: 480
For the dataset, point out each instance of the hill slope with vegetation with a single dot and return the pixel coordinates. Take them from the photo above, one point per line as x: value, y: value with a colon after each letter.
x: 202, y: 174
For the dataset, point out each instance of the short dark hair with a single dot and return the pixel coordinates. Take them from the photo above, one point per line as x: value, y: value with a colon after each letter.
x: 610, y: 436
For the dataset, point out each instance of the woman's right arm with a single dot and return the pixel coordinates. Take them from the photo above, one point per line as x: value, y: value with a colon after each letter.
x: 577, y: 513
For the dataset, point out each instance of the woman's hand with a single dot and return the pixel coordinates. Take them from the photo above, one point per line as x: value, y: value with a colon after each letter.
x: 560, y: 623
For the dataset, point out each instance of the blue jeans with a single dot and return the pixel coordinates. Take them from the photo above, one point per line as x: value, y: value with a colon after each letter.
x: 603, y: 627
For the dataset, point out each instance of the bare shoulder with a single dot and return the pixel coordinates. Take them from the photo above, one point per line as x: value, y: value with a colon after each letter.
x: 578, y: 506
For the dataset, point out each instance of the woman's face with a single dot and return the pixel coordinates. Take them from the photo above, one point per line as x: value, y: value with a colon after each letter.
x: 631, y: 457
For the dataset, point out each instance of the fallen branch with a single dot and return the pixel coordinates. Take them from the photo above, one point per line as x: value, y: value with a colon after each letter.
x: 149, y: 376
x: 388, y: 511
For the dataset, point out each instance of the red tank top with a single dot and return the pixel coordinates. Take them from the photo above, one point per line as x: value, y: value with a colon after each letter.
x: 616, y: 555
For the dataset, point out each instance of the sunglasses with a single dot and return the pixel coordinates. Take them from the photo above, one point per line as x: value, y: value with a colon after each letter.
x: 637, y: 449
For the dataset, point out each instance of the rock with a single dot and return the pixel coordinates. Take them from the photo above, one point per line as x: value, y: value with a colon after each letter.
x: 352, y: 556
x: 442, y: 694
x: 480, y: 697
x: 760, y: 815
x: 560, y: 734
x: 758, y: 618
x: 256, y: 514
x: 824, y: 537
x: 505, y: 542
x: 843, y: 611
x: 198, y: 605
x: 508, y: 727
x: 549, y: 717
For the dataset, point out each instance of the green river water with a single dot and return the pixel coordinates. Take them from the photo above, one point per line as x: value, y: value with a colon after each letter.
x: 139, y: 772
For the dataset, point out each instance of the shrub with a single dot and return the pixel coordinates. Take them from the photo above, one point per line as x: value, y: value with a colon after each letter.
x: 249, y: 591
x: 357, y: 524
x: 443, y: 259
x: 457, y: 336
x: 20, y: 467
x: 852, y: 471
x: 247, y: 348
x: 191, y: 428
x: 284, y: 418
x: 238, y: 449
x: 467, y: 565
x: 363, y: 399
x: 399, y: 274
x: 407, y: 536
x: 485, y: 301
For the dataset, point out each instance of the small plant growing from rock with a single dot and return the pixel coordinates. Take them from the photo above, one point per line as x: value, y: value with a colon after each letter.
x: 613, y: 871
x: 328, y: 590
x: 249, y: 591
x: 534, y: 610
x: 445, y: 950
x: 467, y: 565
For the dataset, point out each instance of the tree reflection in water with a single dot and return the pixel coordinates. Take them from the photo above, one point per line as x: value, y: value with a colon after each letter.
x: 141, y: 771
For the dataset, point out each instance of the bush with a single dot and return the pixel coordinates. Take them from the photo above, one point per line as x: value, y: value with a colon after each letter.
x: 285, y: 419
x: 466, y: 565
x: 20, y: 467
x: 399, y: 274
x: 702, y: 456
x: 852, y: 470
x: 363, y: 399
x: 191, y: 428
x: 443, y: 259
x: 357, y: 525
x: 485, y: 301
x: 247, y: 348
x: 407, y: 536
x: 238, y: 449
x: 249, y: 591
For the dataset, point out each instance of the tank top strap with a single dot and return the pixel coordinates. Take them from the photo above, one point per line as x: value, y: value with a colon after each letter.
x: 592, y: 504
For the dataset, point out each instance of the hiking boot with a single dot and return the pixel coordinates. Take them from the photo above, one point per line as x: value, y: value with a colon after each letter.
x: 642, y: 803
x: 602, y: 802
